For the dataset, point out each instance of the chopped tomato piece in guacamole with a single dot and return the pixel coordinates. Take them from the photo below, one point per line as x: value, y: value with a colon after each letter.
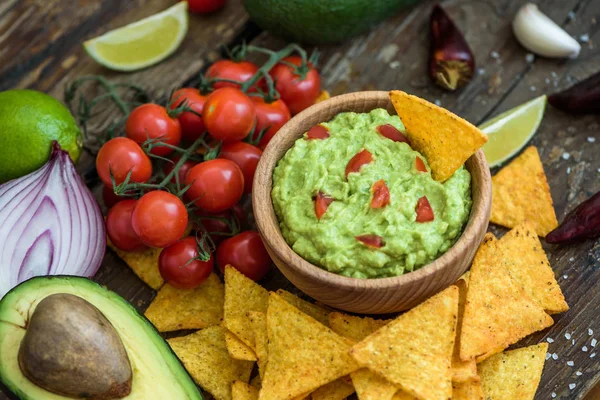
x: 374, y: 241
x: 322, y: 201
x: 389, y: 131
x: 356, y: 162
x: 381, y: 194
x: 420, y: 165
x: 317, y: 132
x: 424, y: 210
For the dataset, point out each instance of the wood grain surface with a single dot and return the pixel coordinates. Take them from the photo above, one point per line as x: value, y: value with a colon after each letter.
x: 40, y: 48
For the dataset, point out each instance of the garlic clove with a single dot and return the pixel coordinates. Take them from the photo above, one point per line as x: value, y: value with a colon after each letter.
x: 539, y: 34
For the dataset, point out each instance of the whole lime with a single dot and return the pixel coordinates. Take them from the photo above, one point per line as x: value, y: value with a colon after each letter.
x: 29, y: 122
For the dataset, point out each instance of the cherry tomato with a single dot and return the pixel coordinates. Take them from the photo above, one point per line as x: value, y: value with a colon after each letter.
x: 219, y: 225
x: 205, y: 6
x: 192, y: 126
x: 424, y: 210
x: 246, y: 157
x: 381, y: 194
x: 229, y: 114
x: 216, y: 185
x: 361, y: 158
x: 374, y: 241
x: 322, y: 202
x: 227, y: 69
x: 151, y: 121
x: 180, y: 267
x: 269, y: 116
x: 297, y: 93
x: 390, y: 132
x: 420, y: 165
x: 317, y: 132
x: 183, y: 170
x: 119, y: 228
x: 118, y: 157
x: 246, y: 252
x: 159, y: 219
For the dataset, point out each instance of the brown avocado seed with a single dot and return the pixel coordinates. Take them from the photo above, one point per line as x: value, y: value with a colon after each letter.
x: 71, y: 349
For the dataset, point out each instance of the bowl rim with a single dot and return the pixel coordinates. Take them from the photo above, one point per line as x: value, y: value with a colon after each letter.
x: 262, y: 195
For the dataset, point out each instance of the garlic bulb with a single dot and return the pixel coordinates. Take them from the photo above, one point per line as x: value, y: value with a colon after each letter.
x: 539, y: 34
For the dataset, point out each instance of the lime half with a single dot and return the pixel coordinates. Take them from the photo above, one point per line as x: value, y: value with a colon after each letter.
x: 142, y: 43
x: 510, y: 131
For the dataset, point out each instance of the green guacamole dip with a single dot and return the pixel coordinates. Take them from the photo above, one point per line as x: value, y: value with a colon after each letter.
x: 317, y: 165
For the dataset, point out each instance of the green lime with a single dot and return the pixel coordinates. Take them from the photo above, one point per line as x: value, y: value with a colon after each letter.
x: 510, y: 131
x: 29, y: 122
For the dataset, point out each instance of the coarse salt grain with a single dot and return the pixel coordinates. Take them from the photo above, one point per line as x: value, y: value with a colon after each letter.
x: 553, y: 74
x: 553, y: 395
x: 565, y: 277
x: 571, y: 259
x: 573, y: 342
x: 570, y: 363
x: 578, y: 373
x: 594, y: 342
x: 532, y: 88
x: 568, y: 170
x: 584, y: 38
x: 555, y: 356
x: 584, y: 349
x: 599, y: 170
x: 480, y: 71
x: 529, y: 57
x: 394, y: 64
x: 437, y: 102
x: 592, y: 355
x: 494, y: 54
x: 566, y: 156
x: 550, y: 340
x: 590, y: 332
x: 571, y: 15
x: 591, y: 139
x: 548, y: 355
x: 567, y: 335
x: 572, y: 386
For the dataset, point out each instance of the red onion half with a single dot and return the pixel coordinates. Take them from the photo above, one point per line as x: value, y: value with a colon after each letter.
x: 50, y: 224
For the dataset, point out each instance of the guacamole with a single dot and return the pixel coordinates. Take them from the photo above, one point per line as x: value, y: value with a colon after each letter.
x: 359, y: 235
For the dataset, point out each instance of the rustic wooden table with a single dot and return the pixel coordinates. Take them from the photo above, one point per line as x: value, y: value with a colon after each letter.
x: 40, y: 48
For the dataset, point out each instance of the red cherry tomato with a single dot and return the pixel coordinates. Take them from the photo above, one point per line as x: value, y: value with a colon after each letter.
x: 246, y: 252
x: 297, y: 93
x: 119, y: 228
x: 317, y: 132
x: 183, y: 170
x: 322, y: 202
x: 219, y: 225
x: 205, y: 6
x: 381, y: 194
x: 151, y: 121
x: 374, y: 241
x: 118, y: 157
x: 227, y: 69
x: 192, y: 126
x: 390, y: 132
x: 229, y: 115
x: 246, y: 157
x: 216, y: 185
x: 424, y: 210
x: 361, y: 158
x: 159, y: 219
x: 269, y: 115
x: 420, y: 165
x: 180, y: 267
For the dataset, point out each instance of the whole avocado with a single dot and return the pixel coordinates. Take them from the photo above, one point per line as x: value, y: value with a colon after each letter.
x: 318, y: 21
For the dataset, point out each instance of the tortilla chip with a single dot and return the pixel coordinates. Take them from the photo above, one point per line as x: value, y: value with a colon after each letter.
x: 243, y: 391
x: 256, y: 382
x: 527, y: 263
x: 318, y: 312
x: 498, y: 312
x: 237, y: 349
x: 520, y: 192
x: 414, y: 351
x: 513, y: 375
x: 324, y: 95
x: 355, y: 328
x: 401, y: 395
x: 336, y: 390
x: 467, y: 390
x: 462, y: 371
x: 303, y: 353
x: 242, y: 295
x: 206, y: 358
x: 370, y: 386
x: 175, y: 309
x: 143, y: 263
x: 445, y: 139
x: 258, y: 321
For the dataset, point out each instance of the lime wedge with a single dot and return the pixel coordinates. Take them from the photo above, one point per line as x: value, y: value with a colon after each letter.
x: 510, y: 131
x: 142, y: 43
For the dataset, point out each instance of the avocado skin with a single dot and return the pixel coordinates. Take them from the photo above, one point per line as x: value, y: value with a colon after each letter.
x: 321, y: 21
x: 83, y: 285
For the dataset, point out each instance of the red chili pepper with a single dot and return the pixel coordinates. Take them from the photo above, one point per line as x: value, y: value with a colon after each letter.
x: 424, y: 210
x: 581, y: 223
x: 452, y: 62
x: 381, y: 194
x: 583, y: 97
x: 420, y: 165
x: 374, y: 241
x: 390, y: 132
x: 361, y: 158
x: 322, y: 202
x: 317, y: 132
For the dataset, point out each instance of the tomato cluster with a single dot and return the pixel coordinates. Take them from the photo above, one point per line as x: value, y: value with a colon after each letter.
x: 188, y: 165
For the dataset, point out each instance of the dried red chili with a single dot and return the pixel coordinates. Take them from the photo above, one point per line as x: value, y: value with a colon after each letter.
x: 581, y: 223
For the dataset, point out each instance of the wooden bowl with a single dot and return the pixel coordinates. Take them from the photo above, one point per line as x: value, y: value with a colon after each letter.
x: 369, y: 296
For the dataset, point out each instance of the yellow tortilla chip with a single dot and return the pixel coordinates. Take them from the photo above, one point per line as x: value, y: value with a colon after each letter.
x: 324, y: 95
x: 520, y: 192
x: 318, y: 312
x: 445, y: 139
x: 467, y: 390
x: 370, y: 386
x: 206, y: 358
x: 498, y: 312
x: 336, y: 390
x: 237, y: 349
x: 242, y: 295
x: 352, y: 327
x: 527, y: 263
x: 462, y: 371
x: 256, y: 382
x: 143, y: 263
x: 303, y: 353
x: 414, y: 351
x: 513, y: 375
x: 401, y: 395
x: 242, y: 391
x: 175, y: 309
x: 259, y: 326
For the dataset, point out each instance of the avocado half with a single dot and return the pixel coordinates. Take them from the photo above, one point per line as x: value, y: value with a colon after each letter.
x: 157, y: 373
